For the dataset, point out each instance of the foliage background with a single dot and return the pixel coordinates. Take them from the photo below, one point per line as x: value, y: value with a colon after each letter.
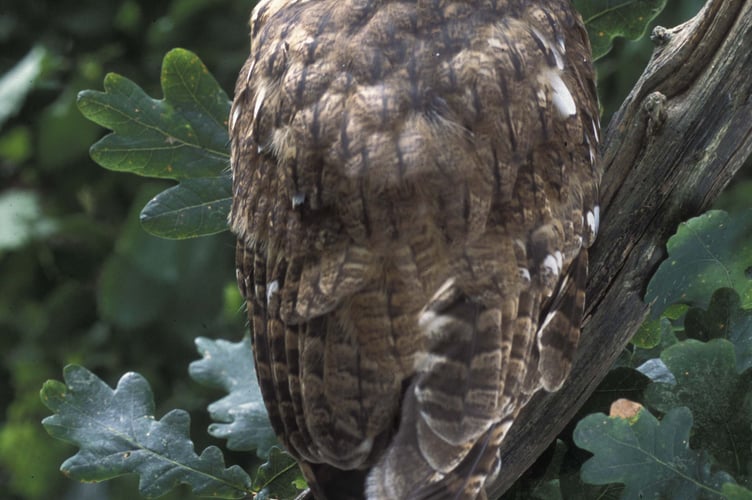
x: 80, y: 281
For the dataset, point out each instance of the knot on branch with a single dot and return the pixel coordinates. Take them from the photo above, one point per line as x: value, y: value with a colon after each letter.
x: 655, y: 107
x: 660, y: 36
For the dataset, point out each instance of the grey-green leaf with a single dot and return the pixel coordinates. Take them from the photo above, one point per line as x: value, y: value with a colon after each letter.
x: 240, y: 417
x: 651, y: 458
x: 608, y: 19
x: 117, y: 434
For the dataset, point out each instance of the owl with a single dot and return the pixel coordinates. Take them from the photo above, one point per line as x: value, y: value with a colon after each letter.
x: 414, y: 192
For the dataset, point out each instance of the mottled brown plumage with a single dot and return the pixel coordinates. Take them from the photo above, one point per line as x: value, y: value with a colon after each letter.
x: 414, y: 194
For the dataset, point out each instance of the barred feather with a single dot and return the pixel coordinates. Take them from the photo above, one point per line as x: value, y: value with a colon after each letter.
x: 414, y: 192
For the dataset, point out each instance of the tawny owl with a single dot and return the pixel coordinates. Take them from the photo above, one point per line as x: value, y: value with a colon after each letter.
x: 414, y: 193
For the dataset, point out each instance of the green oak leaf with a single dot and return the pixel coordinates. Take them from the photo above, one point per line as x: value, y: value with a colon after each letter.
x: 724, y: 318
x: 667, y: 338
x: 651, y: 458
x: 720, y: 399
x: 117, y: 434
x: 195, y: 207
x: 608, y: 19
x: 650, y: 332
x: 707, y: 252
x: 182, y: 136
x: 240, y: 417
x: 279, y: 477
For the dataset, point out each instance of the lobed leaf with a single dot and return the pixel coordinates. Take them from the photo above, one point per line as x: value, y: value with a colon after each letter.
x: 608, y: 19
x: 182, y: 136
x: 279, y: 477
x: 651, y: 458
x: 724, y: 318
x: 707, y: 252
x: 649, y: 334
x: 117, y: 434
x: 195, y: 207
x: 720, y: 399
x: 240, y: 416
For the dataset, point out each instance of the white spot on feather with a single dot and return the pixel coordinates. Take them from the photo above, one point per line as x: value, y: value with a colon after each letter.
x: 595, y: 131
x: 559, y: 259
x: 525, y: 275
x: 427, y: 362
x: 364, y: 448
x: 235, y: 116
x: 560, y: 43
x: 594, y: 219
x: 562, y: 99
x: 597, y: 217
x: 546, y: 321
x: 550, y: 263
x: 435, y: 325
x: 495, y: 43
x: 271, y: 289
x: 250, y: 72
x: 259, y: 102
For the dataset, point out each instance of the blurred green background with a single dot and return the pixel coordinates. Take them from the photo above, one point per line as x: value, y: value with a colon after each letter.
x: 80, y: 281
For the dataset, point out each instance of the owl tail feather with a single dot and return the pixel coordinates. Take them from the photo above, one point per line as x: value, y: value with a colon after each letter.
x: 449, y: 432
x: 559, y: 332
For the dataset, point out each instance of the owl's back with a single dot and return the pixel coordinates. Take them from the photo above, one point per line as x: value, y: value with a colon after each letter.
x: 413, y: 181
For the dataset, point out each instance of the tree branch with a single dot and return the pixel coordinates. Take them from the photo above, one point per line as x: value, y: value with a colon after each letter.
x: 675, y: 143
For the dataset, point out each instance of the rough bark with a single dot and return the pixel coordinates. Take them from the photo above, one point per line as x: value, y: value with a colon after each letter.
x: 675, y: 143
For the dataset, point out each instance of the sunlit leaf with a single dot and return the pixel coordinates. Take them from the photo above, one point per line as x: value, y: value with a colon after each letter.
x: 240, y: 416
x: 116, y: 433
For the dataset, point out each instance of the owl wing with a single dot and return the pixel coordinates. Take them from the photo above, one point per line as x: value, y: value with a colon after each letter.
x: 485, y: 359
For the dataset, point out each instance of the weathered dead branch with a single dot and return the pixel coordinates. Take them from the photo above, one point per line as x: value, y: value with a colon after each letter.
x: 677, y: 140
